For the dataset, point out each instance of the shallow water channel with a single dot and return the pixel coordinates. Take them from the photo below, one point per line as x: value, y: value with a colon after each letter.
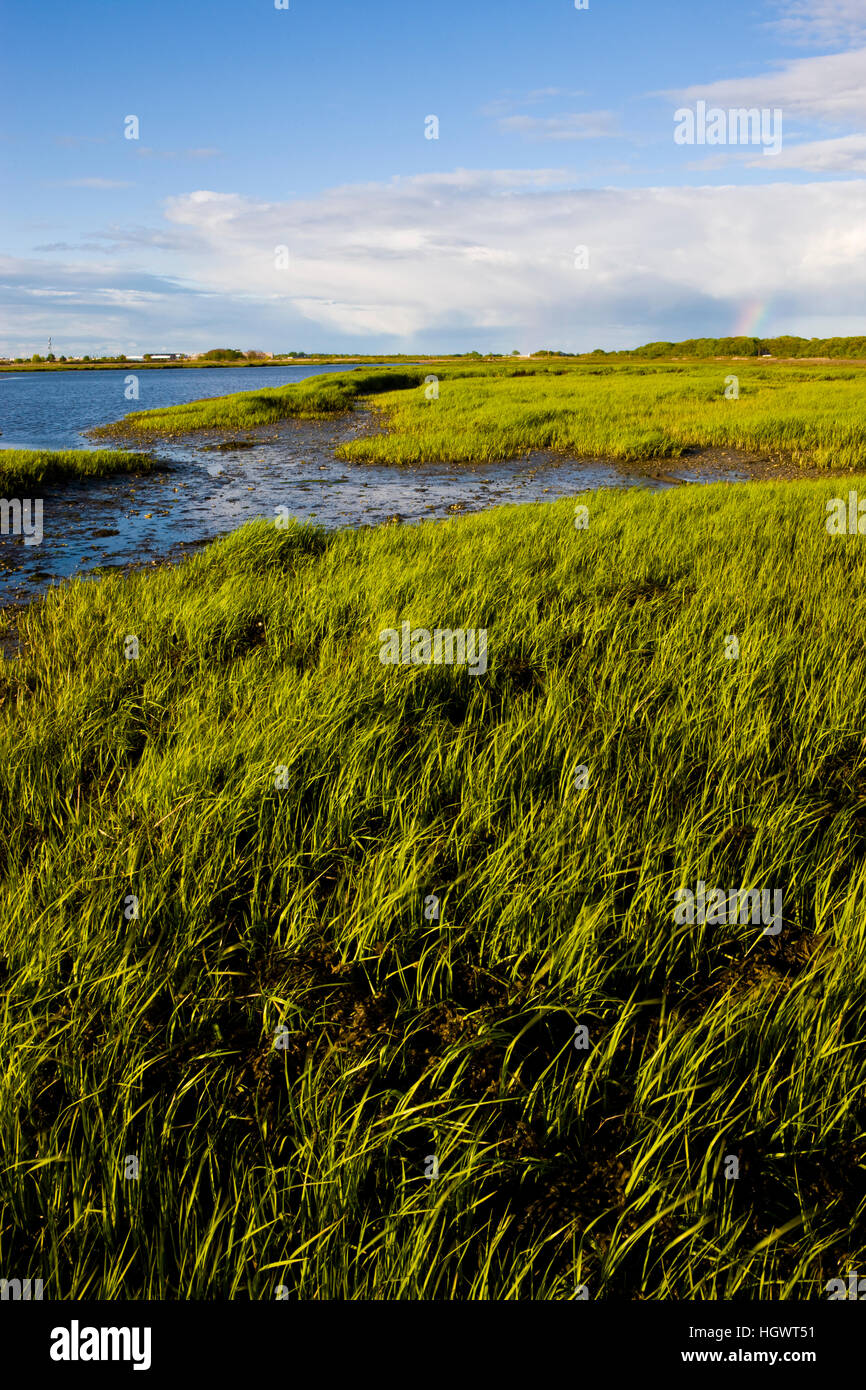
x: 208, y: 487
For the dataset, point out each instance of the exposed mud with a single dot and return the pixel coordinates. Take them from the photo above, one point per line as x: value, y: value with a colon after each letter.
x: 213, y: 484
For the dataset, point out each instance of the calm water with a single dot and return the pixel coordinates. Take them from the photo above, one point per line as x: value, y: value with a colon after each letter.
x: 49, y: 410
x: 207, y: 490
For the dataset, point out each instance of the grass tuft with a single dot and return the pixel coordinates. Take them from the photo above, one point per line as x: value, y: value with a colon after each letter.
x: 52, y: 465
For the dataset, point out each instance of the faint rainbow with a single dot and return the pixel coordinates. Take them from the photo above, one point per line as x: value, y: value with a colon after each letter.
x: 750, y: 318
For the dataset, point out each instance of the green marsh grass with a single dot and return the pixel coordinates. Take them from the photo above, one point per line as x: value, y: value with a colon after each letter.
x: 55, y: 465
x: 815, y: 415
x: 310, y: 399
x: 298, y: 914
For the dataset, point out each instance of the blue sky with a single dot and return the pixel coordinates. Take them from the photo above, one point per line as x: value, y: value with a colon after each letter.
x: 304, y: 129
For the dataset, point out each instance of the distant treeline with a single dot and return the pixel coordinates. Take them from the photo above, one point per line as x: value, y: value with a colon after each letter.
x: 749, y: 347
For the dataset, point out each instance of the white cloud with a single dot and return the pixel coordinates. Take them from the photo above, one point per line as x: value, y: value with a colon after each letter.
x: 442, y: 260
x: 822, y: 21
x: 827, y: 91
x: 830, y: 88
x: 392, y: 259
x: 846, y: 155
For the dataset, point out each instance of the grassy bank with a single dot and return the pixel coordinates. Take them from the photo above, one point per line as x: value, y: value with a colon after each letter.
x: 311, y: 399
x: 23, y: 466
x: 297, y: 915
x: 814, y: 415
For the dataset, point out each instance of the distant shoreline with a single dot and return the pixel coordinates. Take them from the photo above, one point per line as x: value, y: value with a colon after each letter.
x: 137, y: 366
x: 345, y: 364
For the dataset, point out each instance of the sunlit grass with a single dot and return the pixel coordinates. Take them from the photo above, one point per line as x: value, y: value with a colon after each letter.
x: 814, y: 415
x: 303, y: 909
x: 312, y: 398
x: 46, y: 465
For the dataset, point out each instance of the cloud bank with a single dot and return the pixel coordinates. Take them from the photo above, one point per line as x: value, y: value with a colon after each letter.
x: 453, y: 261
